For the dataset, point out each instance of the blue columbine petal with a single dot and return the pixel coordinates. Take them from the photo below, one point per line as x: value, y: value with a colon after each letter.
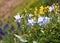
x: 17, y: 20
x: 41, y: 23
x: 29, y: 18
x: 31, y: 22
x: 44, y: 21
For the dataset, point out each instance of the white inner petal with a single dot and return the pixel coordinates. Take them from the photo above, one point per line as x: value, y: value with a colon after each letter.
x: 40, y: 19
x: 17, y: 16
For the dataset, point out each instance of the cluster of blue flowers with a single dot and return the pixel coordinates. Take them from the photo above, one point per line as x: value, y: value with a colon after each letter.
x: 31, y: 22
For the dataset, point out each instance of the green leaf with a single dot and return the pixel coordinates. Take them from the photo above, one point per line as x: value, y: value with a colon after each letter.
x: 20, y: 38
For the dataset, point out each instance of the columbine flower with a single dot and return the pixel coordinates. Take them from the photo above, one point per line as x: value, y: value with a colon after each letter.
x: 43, y: 20
x: 40, y: 20
x: 31, y: 21
x: 18, y: 18
x: 52, y: 9
x: 46, y: 20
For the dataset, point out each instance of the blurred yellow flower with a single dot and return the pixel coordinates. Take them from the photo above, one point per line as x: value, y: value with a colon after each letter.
x: 46, y: 9
x: 35, y: 12
x: 55, y: 13
x: 41, y: 7
x: 35, y: 18
x: 56, y: 7
x: 41, y: 10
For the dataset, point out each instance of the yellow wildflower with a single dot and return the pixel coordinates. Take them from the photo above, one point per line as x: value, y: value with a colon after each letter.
x: 55, y: 13
x: 41, y: 10
x: 41, y: 7
x: 35, y: 12
x: 56, y: 7
x: 35, y: 18
x: 45, y: 9
x: 48, y: 9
